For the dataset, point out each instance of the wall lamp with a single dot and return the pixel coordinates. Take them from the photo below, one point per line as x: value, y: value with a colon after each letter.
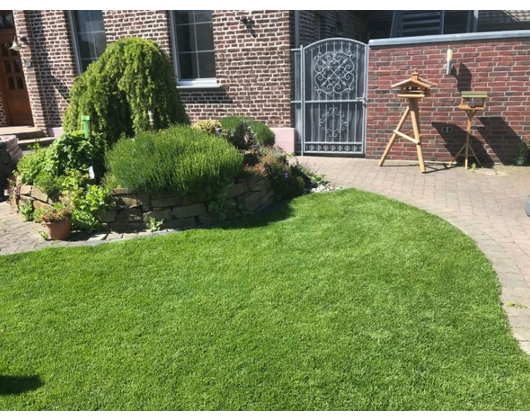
x: 19, y: 43
x: 449, y: 62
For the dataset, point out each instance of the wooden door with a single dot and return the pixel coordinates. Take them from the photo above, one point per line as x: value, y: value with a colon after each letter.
x: 12, y: 82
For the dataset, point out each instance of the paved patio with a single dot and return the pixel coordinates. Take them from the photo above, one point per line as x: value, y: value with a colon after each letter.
x: 486, y: 204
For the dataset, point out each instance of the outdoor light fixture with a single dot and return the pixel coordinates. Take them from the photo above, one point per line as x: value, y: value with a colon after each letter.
x: 449, y: 64
x: 18, y: 43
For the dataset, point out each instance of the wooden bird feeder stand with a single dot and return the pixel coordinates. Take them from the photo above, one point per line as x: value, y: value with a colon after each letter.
x: 471, y: 102
x: 413, y: 90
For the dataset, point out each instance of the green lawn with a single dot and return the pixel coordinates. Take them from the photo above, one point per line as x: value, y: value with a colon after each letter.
x: 344, y: 300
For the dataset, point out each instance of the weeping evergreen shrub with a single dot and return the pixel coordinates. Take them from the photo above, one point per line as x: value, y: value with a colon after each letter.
x: 132, y: 77
x: 264, y: 135
x: 180, y: 159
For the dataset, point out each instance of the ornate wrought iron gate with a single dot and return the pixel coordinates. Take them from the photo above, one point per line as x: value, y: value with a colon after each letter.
x: 330, y: 96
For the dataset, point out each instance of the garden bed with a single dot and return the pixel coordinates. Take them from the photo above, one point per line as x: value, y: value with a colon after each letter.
x: 132, y: 211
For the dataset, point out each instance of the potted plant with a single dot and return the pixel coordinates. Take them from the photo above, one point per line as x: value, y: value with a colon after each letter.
x: 58, y: 222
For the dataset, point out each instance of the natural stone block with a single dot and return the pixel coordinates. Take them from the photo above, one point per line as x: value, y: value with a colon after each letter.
x: 38, y: 205
x: 181, y: 223
x: 132, y: 200
x: 168, y: 201
x: 190, y: 199
x: 236, y: 190
x: 129, y: 216
x: 25, y: 189
x: 163, y: 214
x: 120, y: 191
x: 208, y: 219
x: 38, y: 194
x: 257, y: 184
x: 189, y: 211
x: 107, y: 216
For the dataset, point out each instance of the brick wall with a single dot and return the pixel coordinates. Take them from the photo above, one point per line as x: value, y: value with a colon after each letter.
x: 254, y: 69
x: 502, y: 68
x: 149, y: 24
x: 53, y: 68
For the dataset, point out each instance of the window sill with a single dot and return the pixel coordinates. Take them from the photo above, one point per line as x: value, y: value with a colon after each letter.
x: 200, y: 86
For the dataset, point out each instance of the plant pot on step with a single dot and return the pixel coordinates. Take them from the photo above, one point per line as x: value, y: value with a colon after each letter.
x: 58, y: 222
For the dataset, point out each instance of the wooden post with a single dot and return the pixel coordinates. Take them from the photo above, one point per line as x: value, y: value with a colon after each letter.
x: 413, y: 103
x: 394, y: 136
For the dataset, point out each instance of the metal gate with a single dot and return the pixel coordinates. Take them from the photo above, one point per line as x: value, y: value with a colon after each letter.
x: 330, y: 96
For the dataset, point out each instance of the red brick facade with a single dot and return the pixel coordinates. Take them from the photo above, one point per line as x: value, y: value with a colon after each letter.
x: 52, y: 70
x: 502, y: 68
x: 253, y: 67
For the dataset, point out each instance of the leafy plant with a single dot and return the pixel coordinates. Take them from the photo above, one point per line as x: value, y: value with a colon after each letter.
x: 180, y: 159
x: 37, y: 215
x: 221, y: 206
x: 129, y: 89
x: 264, y: 135
x: 45, y: 235
x: 31, y: 165
x: 208, y: 126
x: 57, y: 213
x: 285, y: 182
x: 154, y: 225
x: 87, y: 202
x: 26, y: 210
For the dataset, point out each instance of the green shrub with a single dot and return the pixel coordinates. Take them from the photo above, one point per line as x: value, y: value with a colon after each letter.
x: 30, y: 166
x: 131, y: 78
x: 72, y: 151
x: 286, y: 182
x: 208, y: 126
x: 26, y: 210
x: 180, y: 159
x: 264, y: 135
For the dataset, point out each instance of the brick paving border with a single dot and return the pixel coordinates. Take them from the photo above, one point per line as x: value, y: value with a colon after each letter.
x: 486, y: 204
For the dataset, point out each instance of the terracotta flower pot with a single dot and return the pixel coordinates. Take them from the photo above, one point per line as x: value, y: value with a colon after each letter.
x: 59, y: 230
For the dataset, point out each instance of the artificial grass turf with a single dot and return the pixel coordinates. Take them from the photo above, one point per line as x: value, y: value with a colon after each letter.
x: 341, y: 300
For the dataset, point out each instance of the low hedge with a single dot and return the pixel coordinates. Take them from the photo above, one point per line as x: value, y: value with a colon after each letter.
x: 180, y: 159
x: 264, y: 135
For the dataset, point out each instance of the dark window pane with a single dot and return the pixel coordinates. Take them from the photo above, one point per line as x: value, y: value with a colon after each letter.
x: 207, y: 65
x: 10, y: 83
x: 83, y: 22
x: 85, y: 63
x: 184, y: 16
x: 16, y: 66
x: 7, y: 66
x: 86, y: 47
x: 5, y: 48
x: 203, y: 16
x: 204, y: 36
x: 96, y: 19
x: 188, y: 66
x: 20, y: 82
x: 2, y: 24
x: 100, y: 43
x: 186, y: 38
x: 8, y: 21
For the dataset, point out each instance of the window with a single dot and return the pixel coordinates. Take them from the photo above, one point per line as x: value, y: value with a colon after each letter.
x: 89, y: 36
x: 194, y: 47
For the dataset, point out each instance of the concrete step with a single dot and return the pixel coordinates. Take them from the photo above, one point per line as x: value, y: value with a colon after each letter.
x: 30, y: 144
x: 23, y: 132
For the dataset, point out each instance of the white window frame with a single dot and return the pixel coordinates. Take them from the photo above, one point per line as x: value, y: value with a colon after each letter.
x: 75, y: 42
x: 187, y: 83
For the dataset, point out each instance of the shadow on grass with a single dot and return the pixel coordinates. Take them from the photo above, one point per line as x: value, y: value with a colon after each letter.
x: 14, y: 385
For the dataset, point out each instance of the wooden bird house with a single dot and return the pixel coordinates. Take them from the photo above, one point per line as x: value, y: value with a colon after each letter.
x: 473, y: 100
x: 414, y: 87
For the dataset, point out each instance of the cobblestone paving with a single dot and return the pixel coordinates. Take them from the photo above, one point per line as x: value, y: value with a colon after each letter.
x: 486, y: 204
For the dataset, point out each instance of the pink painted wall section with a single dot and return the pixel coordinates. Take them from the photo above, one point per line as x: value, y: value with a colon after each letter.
x: 499, y: 67
x: 285, y: 138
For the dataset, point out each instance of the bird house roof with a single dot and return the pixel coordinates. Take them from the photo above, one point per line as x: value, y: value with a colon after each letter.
x: 415, y: 81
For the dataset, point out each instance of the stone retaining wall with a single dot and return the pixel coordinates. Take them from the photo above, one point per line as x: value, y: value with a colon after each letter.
x: 132, y: 211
